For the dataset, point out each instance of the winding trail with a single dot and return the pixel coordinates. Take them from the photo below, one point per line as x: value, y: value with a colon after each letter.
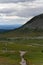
x: 23, y: 61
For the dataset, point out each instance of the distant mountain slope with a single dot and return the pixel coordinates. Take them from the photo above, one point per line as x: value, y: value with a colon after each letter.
x: 6, y: 28
x: 34, y: 27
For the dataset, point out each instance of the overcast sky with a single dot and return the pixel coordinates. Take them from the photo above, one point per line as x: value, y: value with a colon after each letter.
x: 19, y: 11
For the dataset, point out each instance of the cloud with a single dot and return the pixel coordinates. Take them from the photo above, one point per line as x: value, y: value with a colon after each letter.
x: 21, y: 11
x: 14, y: 1
x: 12, y: 20
x: 25, y: 9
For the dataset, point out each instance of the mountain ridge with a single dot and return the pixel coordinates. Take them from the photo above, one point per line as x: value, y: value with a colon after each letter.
x: 34, y: 27
x: 35, y: 22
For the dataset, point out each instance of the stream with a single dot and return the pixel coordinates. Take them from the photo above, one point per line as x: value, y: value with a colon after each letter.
x: 23, y: 61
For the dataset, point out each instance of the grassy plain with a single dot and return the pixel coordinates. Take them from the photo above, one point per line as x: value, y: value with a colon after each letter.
x: 9, y: 51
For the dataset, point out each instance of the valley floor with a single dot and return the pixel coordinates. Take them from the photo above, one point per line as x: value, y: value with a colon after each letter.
x: 10, y: 51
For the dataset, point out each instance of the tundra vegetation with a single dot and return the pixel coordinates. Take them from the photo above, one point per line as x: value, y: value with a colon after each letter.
x: 10, y: 55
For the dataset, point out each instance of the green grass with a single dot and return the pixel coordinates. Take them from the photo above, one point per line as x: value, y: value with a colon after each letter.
x: 34, y: 48
x: 21, y: 44
x: 12, y: 58
x: 21, y: 33
x: 35, y: 56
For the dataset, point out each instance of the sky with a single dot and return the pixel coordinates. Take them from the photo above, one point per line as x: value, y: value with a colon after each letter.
x: 19, y: 11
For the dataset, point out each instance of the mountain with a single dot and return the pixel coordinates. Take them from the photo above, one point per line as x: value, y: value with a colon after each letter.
x: 36, y: 23
x: 5, y: 28
x: 34, y: 27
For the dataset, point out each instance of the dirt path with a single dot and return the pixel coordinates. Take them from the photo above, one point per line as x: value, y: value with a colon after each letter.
x: 23, y: 61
